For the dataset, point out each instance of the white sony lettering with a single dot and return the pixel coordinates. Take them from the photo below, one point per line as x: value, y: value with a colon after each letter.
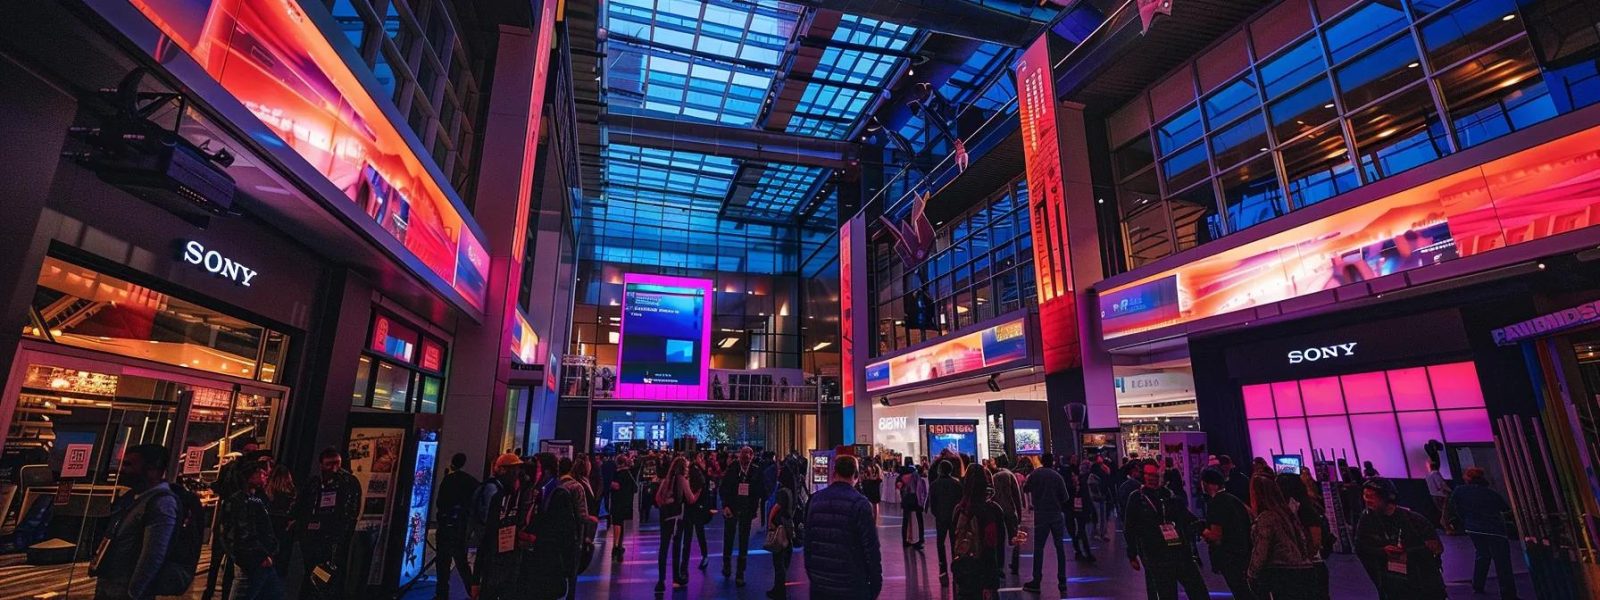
x: 230, y: 269
x: 213, y: 261
x: 248, y: 275
x: 1349, y: 348
x: 1296, y: 357
x: 1316, y: 353
x: 192, y: 252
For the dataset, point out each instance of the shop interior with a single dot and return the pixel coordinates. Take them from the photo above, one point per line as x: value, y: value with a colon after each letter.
x: 1152, y: 398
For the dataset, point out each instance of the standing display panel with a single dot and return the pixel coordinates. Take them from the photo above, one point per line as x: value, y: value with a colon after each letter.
x: 664, y: 338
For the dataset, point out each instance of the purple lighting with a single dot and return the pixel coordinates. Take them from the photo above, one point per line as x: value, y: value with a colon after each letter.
x: 664, y: 339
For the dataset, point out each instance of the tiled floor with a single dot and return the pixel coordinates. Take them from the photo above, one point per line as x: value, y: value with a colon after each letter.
x: 915, y: 574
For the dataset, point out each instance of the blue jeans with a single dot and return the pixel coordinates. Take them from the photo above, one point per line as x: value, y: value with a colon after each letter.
x: 257, y: 583
x: 1054, y: 525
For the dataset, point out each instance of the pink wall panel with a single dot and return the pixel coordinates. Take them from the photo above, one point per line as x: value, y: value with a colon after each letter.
x: 1378, y: 440
x: 1332, y: 436
x: 1466, y: 426
x: 1258, y: 401
x: 1416, y: 428
x: 1296, y: 439
x: 1322, y: 396
x: 1409, y: 388
x: 1263, y: 438
x: 1286, y: 397
x: 1366, y: 392
x: 1456, y: 385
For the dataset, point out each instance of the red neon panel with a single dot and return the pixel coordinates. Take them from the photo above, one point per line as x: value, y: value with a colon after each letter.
x: 1041, y: 151
x: 1410, y: 390
x: 1416, y: 428
x: 1366, y: 392
x: 1258, y: 402
x: 1286, y: 398
x: 1323, y: 396
x: 1378, y: 440
x: 1264, y: 436
x: 1466, y: 426
x: 1456, y: 385
x: 847, y: 338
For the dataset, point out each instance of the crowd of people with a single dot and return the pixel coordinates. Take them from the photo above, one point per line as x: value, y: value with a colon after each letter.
x: 534, y: 523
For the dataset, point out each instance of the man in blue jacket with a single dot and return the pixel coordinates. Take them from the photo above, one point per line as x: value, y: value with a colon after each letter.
x: 842, y: 557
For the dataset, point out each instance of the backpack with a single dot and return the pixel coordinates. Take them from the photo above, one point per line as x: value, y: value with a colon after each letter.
x: 964, y: 565
x: 183, y: 555
x: 477, y: 520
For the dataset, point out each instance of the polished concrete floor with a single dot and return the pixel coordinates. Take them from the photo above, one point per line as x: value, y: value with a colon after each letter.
x: 912, y: 574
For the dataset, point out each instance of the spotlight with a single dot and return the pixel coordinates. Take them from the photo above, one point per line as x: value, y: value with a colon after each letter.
x: 884, y: 401
x: 994, y: 382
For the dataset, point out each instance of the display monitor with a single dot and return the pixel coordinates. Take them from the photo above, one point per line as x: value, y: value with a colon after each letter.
x: 1029, y: 435
x: 664, y: 337
x: 959, y: 436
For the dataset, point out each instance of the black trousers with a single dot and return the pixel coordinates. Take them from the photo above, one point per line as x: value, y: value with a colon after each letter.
x: 452, y: 553
x: 941, y: 539
x: 1079, y: 523
x: 1233, y: 572
x: 907, y: 535
x: 691, y: 530
x: 780, y: 571
x: 1164, y: 575
x: 1495, y: 549
x: 736, y: 526
x: 1284, y: 584
x: 670, y: 531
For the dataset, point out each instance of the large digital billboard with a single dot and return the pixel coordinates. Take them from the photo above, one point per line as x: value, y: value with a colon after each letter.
x: 956, y: 435
x: 995, y: 346
x: 664, y: 338
x: 1542, y: 191
x: 1041, y: 153
x: 272, y: 57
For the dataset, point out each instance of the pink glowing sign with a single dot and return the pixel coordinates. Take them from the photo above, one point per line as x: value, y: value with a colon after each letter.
x: 664, y: 340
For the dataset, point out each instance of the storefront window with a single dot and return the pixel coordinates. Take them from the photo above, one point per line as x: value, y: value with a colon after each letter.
x: 400, y: 370
x: 78, y: 306
x: 391, y: 389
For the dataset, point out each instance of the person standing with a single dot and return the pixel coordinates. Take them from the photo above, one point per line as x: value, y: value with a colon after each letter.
x: 698, y: 515
x: 228, y: 482
x: 1238, y: 483
x: 1082, y: 514
x: 1280, y: 553
x: 980, y: 531
x: 1133, y: 479
x: 1227, y: 532
x: 913, y: 490
x: 1008, y: 495
x: 281, y: 496
x: 495, y: 516
x: 248, y: 537
x: 575, y: 480
x: 143, y: 520
x: 1399, y: 548
x: 549, y: 533
x: 1439, y: 492
x: 624, y: 488
x: 1482, y: 511
x: 741, y: 494
x: 1047, y: 489
x: 943, y: 496
x: 871, y: 484
x: 452, y: 511
x: 325, y: 518
x: 1157, y: 534
x: 843, y: 561
x: 1315, y: 523
x: 782, y: 515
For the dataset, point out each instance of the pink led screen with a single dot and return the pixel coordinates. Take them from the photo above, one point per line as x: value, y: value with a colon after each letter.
x: 663, y: 352
x: 1381, y: 416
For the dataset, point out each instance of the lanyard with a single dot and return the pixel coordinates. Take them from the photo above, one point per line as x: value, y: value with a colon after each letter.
x: 1159, y: 513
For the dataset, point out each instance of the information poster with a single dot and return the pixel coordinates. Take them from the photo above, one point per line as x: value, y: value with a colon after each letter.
x: 821, y: 468
x: 664, y: 337
x: 76, y: 463
x: 955, y: 435
x: 374, y: 453
x: 411, y: 561
x: 1030, y: 437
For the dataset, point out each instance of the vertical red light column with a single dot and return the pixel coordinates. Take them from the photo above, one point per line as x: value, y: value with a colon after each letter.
x: 1041, y: 148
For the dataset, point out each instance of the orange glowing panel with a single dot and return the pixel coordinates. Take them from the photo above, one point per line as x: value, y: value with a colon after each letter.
x: 1041, y: 153
x: 271, y: 57
x: 1543, y: 191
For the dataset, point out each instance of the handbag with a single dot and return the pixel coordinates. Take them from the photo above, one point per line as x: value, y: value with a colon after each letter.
x: 585, y: 555
x: 777, y: 539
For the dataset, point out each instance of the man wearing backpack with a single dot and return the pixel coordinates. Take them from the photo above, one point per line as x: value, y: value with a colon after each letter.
x: 325, y: 515
x: 132, y: 560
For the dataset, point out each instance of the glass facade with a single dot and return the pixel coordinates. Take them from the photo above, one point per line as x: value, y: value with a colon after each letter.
x: 401, y: 369
x: 1334, y: 96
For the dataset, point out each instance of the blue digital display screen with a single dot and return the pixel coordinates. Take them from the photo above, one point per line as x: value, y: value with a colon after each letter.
x: 661, y: 334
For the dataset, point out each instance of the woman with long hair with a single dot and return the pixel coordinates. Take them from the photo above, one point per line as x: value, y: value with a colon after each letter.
x: 1280, y: 564
x: 871, y: 484
x: 280, y: 504
x: 699, y: 513
x: 784, y: 506
x: 980, y: 532
x: 1310, y: 516
x: 673, y: 494
x: 624, y: 488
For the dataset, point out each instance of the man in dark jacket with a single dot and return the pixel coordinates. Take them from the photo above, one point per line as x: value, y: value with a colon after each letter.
x: 1482, y: 511
x: 1132, y: 479
x: 1049, y: 493
x: 943, y: 496
x: 741, y: 497
x: 1399, y: 548
x: 1238, y: 483
x: 496, y: 515
x: 247, y: 534
x: 1158, y: 531
x: 142, y: 523
x: 325, y: 514
x: 552, y: 537
x: 842, y: 557
x: 1228, y: 532
x: 453, y: 512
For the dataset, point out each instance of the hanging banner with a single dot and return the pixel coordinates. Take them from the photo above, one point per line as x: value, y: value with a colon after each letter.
x: 1041, y: 151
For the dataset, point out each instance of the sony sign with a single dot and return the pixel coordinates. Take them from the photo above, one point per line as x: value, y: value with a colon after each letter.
x: 214, y: 262
x: 1317, y: 353
x: 891, y: 423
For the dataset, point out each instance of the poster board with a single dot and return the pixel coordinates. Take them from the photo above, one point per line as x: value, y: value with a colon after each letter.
x: 374, y: 456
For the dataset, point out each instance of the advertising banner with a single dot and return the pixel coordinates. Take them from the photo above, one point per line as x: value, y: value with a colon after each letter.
x: 276, y: 61
x: 956, y: 435
x: 411, y: 560
x: 1041, y: 151
x: 1540, y: 192
x: 999, y: 345
x: 664, y: 338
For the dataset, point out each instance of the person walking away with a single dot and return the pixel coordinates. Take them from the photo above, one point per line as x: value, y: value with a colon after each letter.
x: 1439, y: 491
x: 248, y: 539
x: 496, y: 514
x: 843, y: 561
x: 1238, y: 482
x: 575, y: 480
x: 741, y: 493
x: 1082, y: 514
x: 452, y: 511
x: 1399, y: 548
x: 980, y: 532
x: 1047, y: 489
x: 550, y: 539
x: 943, y: 496
x: 325, y: 518
x: 769, y: 483
x: 672, y: 495
x: 1280, y: 553
x: 1157, y: 536
x: 624, y: 488
x: 1227, y: 532
x: 608, y: 473
x: 1133, y: 473
x: 913, y: 489
x: 698, y: 515
x: 782, y: 516
x: 1007, y: 494
x: 130, y: 559
x: 1482, y: 511
x: 871, y: 484
x: 1101, y: 489
x: 281, y: 496
x: 1315, y: 524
